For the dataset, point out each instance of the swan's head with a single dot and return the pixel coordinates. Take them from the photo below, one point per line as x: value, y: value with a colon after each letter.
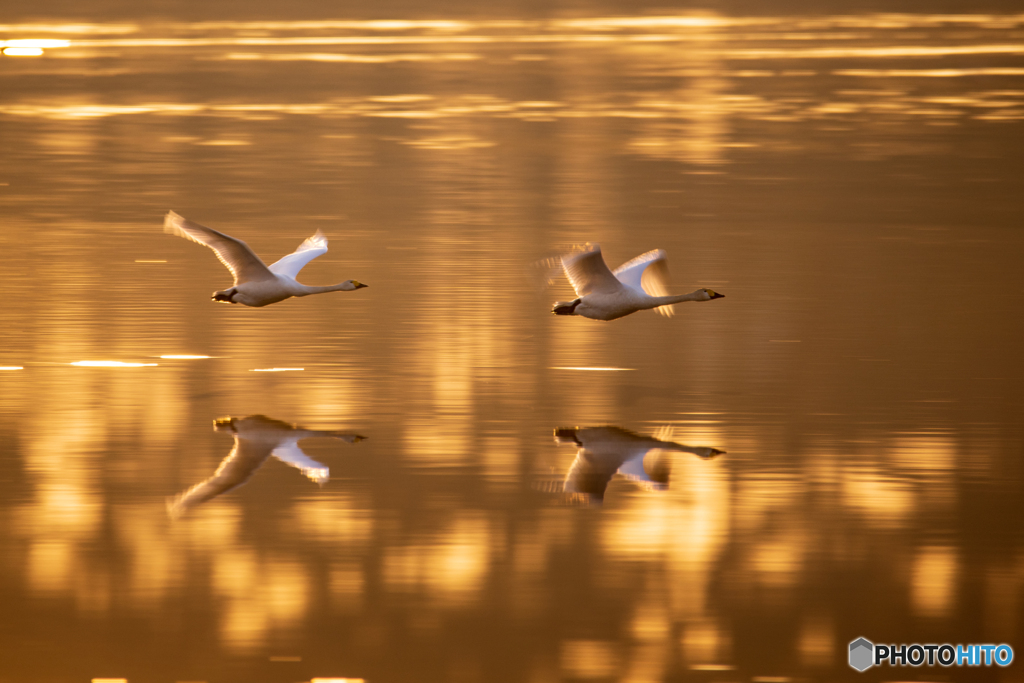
x: 224, y: 424
x: 710, y: 294
x: 227, y: 296
x: 566, y: 435
x: 350, y: 285
x: 566, y: 307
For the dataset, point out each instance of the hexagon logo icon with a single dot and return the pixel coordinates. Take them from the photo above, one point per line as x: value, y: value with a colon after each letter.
x: 862, y: 654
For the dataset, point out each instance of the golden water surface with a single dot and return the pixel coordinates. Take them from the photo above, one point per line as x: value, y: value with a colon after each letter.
x: 480, y: 496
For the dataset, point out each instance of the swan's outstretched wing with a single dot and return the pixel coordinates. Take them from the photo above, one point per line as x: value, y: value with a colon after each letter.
x: 647, y: 272
x: 663, y: 440
x: 289, y: 452
x: 232, y: 472
x: 235, y: 254
x: 298, y: 433
x: 587, y: 271
x: 291, y: 264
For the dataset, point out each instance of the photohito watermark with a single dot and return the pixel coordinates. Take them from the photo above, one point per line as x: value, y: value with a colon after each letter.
x: 864, y: 654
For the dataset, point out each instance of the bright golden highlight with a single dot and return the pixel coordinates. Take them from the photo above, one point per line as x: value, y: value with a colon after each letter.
x: 23, y: 51
x: 29, y: 47
x: 33, y: 43
x: 110, y: 364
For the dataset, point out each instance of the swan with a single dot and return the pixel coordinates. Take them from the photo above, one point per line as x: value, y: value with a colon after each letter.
x: 608, y: 450
x: 256, y: 284
x: 256, y: 438
x: 636, y: 285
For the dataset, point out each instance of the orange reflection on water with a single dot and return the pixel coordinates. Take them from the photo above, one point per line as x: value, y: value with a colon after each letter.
x: 346, y: 585
x: 931, y: 73
x: 882, y: 499
x: 816, y: 642
x: 933, y: 581
x: 705, y: 643
x: 778, y: 561
x: 501, y: 457
x: 589, y: 659
x: 49, y: 565
x: 451, y: 570
x: 154, y: 564
x: 352, y: 58
x: 336, y: 520
x: 262, y: 595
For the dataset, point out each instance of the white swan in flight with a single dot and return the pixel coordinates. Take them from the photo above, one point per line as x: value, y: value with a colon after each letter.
x: 256, y: 439
x: 608, y: 451
x: 257, y: 284
x: 636, y: 285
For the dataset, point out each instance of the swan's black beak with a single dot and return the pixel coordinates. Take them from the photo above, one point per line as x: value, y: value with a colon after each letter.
x: 563, y: 435
x: 359, y: 285
x: 716, y: 295
x: 565, y: 307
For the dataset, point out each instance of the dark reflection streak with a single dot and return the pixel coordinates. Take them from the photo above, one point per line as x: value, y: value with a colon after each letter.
x: 206, y: 394
x: 256, y: 438
x: 606, y: 451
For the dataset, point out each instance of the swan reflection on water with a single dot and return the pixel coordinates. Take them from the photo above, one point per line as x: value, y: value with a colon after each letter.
x: 607, y: 451
x: 256, y: 438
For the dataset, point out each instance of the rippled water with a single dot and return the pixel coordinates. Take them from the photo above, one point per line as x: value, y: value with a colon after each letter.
x: 536, y: 498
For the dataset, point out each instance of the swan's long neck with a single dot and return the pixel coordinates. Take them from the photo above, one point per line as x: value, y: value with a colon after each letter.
x: 656, y: 301
x: 305, y: 290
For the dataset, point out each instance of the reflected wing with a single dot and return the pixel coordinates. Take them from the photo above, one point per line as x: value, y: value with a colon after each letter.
x: 290, y: 453
x: 649, y: 273
x: 588, y: 272
x: 235, y: 254
x: 291, y: 264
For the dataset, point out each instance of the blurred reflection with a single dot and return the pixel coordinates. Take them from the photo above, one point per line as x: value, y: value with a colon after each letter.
x: 607, y: 451
x: 256, y: 438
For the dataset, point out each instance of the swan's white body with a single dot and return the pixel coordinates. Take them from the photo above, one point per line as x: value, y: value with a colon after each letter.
x: 256, y: 439
x: 637, y: 285
x: 257, y: 284
x: 608, y: 451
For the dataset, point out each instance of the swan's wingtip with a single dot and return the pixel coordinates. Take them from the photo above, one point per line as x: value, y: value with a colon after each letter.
x: 172, y: 222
